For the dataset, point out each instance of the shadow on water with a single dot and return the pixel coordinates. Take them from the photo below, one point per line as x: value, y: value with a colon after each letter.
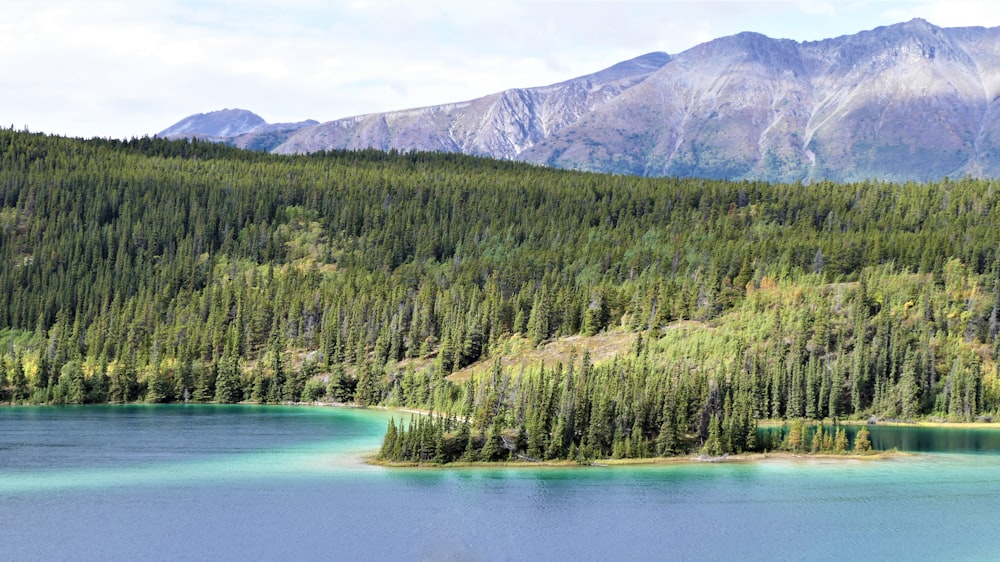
x: 910, y: 438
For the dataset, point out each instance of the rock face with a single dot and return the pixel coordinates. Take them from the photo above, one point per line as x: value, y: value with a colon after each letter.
x: 502, y: 125
x: 905, y: 102
x: 222, y: 123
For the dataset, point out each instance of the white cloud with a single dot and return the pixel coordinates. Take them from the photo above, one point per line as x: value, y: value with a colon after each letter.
x: 125, y: 68
x: 954, y: 13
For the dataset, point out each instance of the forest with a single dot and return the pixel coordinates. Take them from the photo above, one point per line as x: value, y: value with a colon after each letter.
x: 169, y: 271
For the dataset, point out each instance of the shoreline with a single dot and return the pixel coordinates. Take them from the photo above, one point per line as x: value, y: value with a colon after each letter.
x: 348, y: 405
x: 891, y: 423
x: 937, y: 424
x: 742, y: 458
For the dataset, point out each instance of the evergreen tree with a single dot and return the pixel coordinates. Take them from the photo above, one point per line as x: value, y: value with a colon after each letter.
x: 389, y: 449
x: 493, y: 445
x: 862, y: 443
x: 18, y: 381
x: 4, y: 382
x: 840, y: 443
x: 143, y: 269
x: 204, y: 389
x: 713, y: 445
x: 795, y: 440
x: 261, y: 388
x: 228, y: 386
x: 368, y: 392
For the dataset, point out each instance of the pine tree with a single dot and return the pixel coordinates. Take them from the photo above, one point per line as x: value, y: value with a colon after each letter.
x: 538, y: 322
x: 795, y: 440
x: 4, y: 382
x: 713, y: 445
x: 204, y: 388
x: 228, y: 387
x: 368, y: 392
x: 493, y: 446
x: 840, y: 443
x: 389, y: 442
x: 261, y: 388
x: 18, y: 381
x: 817, y: 440
x: 862, y: 443
x: 471, y: 453
x: 157, y: 387
x: 341, y: 387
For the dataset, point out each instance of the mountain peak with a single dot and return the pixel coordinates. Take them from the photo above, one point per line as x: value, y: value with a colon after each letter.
x: 909, y: 101
x: 918, y: 23
x: 222, y: 123
x: 916, y: 28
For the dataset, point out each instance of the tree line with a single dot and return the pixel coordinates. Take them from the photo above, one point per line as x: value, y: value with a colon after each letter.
x: 155, y: 270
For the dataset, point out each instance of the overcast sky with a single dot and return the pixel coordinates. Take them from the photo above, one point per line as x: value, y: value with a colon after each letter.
x: 123, y: 68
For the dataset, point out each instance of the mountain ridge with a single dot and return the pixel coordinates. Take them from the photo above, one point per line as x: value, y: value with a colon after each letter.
x: 906, y: 102
x: 238, y: 127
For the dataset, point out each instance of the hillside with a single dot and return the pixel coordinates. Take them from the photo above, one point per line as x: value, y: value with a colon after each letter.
x: 164, y: 271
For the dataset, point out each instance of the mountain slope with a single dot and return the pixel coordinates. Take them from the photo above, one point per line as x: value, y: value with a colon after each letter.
x: 238, y: 127
x: 906, y: 102
x: 501, y: 125
x: 911, y: 101
x: 222, y: 123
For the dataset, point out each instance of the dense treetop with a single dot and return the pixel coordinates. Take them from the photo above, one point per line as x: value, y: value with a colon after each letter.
x: 169, y: 270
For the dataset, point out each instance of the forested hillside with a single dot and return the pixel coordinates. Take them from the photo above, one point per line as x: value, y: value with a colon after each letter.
x: 154, y: 270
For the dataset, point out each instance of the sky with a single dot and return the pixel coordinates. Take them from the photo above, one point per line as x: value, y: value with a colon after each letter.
x: 128, y: 68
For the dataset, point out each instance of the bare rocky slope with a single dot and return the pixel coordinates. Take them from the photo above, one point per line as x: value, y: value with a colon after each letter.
x: 910, y: 101
x: 238, y: 127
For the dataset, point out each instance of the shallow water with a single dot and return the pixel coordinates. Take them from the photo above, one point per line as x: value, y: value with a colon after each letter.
x: 222, y: 482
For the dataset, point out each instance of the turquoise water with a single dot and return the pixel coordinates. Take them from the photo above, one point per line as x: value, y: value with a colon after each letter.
x: 225, y: 483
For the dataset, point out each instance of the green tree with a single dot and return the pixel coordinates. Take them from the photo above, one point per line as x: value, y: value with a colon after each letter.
x: 840, y: 443
x: 713, y: 445
x: 18, y: 381
x: 493, y: 446
x: 862, y: 442
x: 228, y: 387
x: 369, y: 387
x: 389, y: 448
x: 795, y: 440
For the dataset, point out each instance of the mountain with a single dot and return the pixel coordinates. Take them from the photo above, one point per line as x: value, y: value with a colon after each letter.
x: 905, y: 102
x: 237, y: 127
x: 502, y: 125
x: 222, y: 123
x: 910, y: 101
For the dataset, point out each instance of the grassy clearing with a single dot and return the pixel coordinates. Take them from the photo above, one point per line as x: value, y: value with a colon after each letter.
x: 518, y: 351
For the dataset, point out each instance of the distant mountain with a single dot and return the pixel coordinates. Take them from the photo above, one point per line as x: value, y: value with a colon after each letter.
x: 502, y: 125
x: 906, y: 102
x: 223, y: 123
x: 238, y: 127
x: 911, y: 101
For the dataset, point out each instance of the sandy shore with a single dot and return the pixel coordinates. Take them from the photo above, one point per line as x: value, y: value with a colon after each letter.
x: 778, y: 456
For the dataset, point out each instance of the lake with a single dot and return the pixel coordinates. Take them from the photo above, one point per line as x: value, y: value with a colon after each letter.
x: 264, y: 483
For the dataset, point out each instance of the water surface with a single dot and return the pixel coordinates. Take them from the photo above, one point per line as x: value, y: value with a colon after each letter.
x: 218, y: 482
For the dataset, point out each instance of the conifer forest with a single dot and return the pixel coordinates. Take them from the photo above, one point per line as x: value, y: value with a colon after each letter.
x: 158, y: 271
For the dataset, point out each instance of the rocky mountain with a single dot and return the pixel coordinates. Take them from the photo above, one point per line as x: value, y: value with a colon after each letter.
x: 910, y: 101
x: 238, y: 127
x: 502, y: 125
x: 905, y: 102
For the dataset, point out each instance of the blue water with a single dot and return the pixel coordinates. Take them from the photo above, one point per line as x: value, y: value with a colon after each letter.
x: 248, y: 483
